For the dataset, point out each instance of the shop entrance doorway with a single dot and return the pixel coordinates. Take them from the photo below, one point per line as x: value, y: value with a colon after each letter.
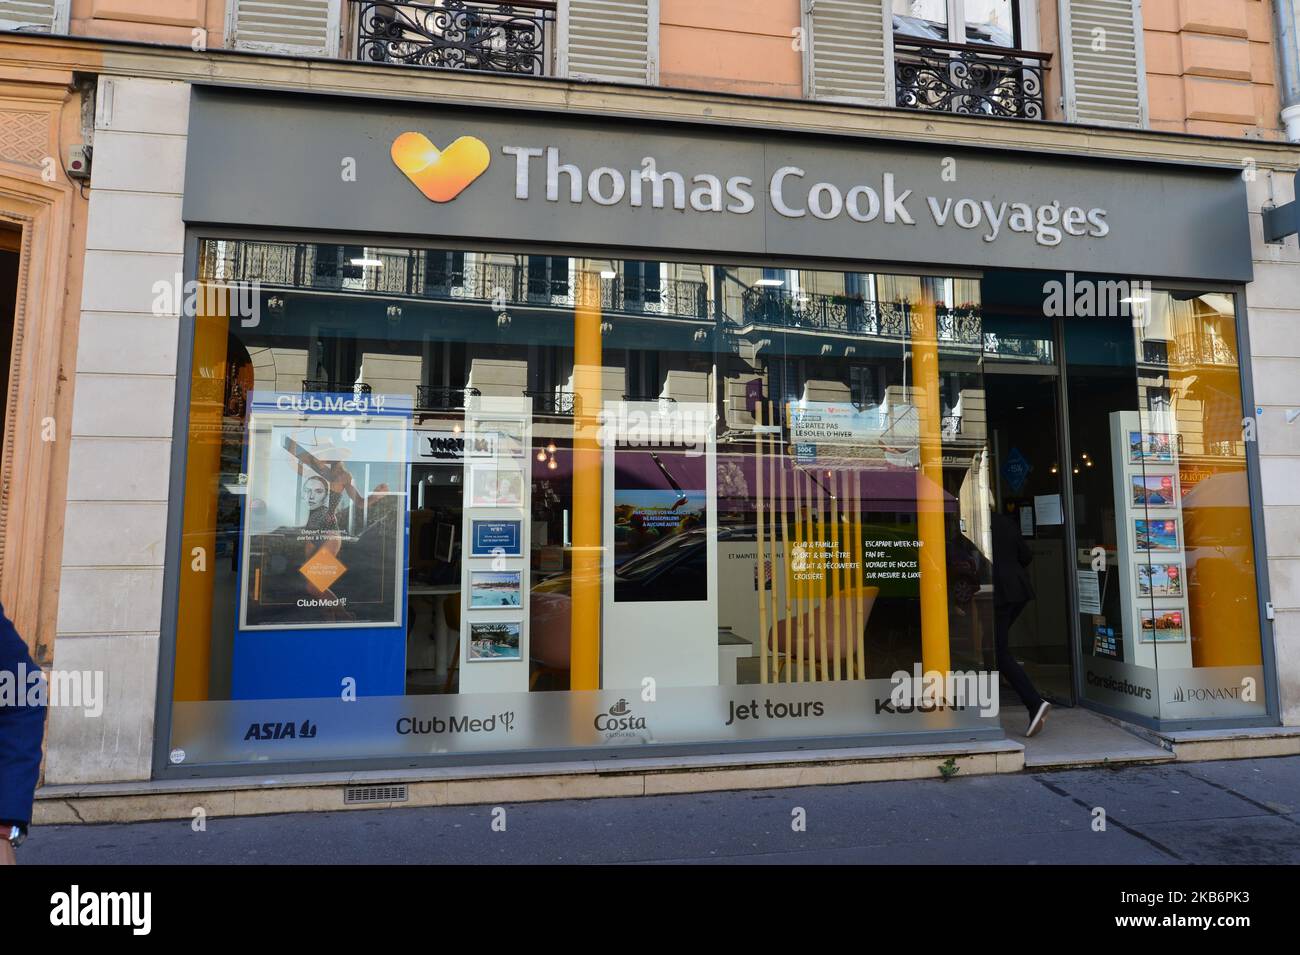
x: 1028, y: 503
x: 9, y: 253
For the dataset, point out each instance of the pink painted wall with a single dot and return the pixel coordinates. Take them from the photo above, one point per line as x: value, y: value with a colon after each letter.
x: 1210, y: 67
x: 734, y: 46
x: 150, y: 21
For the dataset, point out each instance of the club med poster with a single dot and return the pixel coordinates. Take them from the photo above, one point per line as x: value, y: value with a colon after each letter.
x: 324, y: 520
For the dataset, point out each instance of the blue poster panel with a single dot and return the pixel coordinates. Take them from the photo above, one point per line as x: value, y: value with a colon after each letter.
x: 323, y: 556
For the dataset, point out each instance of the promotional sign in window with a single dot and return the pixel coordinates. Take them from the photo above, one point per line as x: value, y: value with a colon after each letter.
x: 493, y: 538
x: 323, y: 529
x: 323, y: 546
x: 660, y: 514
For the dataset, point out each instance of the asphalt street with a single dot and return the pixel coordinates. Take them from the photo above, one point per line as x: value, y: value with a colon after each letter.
x: 1238, y: 811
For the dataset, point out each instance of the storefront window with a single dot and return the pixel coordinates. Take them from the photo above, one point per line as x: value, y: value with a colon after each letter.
x: 444, y: 502
x: 455, y: 501
x: 1166, y: 570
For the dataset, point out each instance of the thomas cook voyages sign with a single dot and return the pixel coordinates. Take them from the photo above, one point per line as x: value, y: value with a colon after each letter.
x: 333, y: 164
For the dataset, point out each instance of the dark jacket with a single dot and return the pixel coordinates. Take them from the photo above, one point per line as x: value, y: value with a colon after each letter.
x: 21, y: 728
x: 1011, y: 557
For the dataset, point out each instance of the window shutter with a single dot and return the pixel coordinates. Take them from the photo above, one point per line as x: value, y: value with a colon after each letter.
x: 610, y: 40
x: 304, y: 27
x: 34, y: 16
x: 1104, y: 70
x: 848, y: 53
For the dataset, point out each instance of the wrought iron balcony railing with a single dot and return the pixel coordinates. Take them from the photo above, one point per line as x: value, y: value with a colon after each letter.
x: 975, y: 79
x: 848, y: 314
x: 441, y: 398
x: 560, y: 403
x: 458, y: 34
x: 318, y: 386
x: 437, y: 275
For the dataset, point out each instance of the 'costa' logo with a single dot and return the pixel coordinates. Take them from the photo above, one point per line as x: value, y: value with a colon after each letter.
x: 619, y: 719
x: 264, y: 731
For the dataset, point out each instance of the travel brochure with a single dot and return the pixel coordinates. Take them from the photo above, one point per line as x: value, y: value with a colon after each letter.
x: 494, y: 487
x: 496, y: 437
x: 1163, y: 626
x: 493, y: 641
x: 1153, y: 490
x: 1161, y: 535
x: 1160, y: 580
x: 489, y: 589
x: 1150, y: 448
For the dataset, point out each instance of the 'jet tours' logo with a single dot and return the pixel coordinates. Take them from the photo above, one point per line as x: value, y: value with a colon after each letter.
x: 441, y: 174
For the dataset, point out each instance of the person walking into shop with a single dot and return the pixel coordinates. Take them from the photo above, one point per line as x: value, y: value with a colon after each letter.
x: 22, y: 726
x: 1012, y: 590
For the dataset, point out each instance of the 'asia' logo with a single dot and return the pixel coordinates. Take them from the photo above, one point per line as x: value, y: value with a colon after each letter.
x: 619, y: 719
x: 441, y: 174
x: 264, y: 731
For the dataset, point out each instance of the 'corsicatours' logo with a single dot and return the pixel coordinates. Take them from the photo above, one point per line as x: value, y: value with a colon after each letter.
x: 441, y: 174
x: 263, y: 731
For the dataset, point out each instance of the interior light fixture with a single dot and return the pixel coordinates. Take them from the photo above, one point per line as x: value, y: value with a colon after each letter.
x: 608, y: 274
x: 377, y: 263
x: 770, y: 283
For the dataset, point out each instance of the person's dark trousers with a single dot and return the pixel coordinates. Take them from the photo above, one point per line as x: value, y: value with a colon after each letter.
x: 1004, y: 615
x: 21, y: 729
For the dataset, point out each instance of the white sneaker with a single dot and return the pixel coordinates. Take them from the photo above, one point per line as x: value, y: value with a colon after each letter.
x: 1036, y: 724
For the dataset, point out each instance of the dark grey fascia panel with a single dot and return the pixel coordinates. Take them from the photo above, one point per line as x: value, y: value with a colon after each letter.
x: 278, y: 160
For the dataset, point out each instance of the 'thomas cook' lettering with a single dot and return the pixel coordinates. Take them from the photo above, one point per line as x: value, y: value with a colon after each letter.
x: 1049, y: 223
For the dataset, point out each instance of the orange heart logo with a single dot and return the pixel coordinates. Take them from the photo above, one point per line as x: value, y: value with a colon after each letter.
x: 441, y: 175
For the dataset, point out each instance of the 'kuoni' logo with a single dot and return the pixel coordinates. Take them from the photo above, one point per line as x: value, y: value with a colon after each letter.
x: 441, y: 174
x: 619, y: 720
